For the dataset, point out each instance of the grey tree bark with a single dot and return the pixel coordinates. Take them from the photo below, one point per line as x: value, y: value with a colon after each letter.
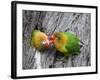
x: 50, y: 22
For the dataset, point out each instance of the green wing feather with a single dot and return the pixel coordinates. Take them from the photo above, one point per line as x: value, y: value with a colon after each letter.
x: 73, y: 43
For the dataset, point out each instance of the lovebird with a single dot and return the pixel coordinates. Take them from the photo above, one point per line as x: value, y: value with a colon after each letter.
x: 66, y: 43
x: 39, y: 40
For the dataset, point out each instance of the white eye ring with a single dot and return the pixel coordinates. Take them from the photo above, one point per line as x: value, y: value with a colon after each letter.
x: 43, y: 42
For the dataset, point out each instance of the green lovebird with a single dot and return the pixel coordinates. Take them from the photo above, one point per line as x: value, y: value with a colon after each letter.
x: 39, y: 40
x: 66, y: 43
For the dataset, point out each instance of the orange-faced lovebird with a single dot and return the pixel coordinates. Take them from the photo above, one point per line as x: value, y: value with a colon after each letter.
x: 39, y: 40
x: 66, y: 43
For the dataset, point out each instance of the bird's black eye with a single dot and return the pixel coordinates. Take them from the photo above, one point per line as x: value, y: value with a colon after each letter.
x: 58, y: 37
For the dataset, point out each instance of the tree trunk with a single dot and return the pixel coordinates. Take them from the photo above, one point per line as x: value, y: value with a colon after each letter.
x: 50, y: 22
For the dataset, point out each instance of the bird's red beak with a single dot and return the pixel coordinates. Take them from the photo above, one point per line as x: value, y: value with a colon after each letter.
x: 50, y: 41
x: 47, y: 43
x: 52, y: 38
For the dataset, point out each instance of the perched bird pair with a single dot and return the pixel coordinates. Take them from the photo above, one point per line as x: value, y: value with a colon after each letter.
x: 65, y: 42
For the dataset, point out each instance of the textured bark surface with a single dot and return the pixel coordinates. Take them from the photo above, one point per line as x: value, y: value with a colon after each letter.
x: 50, y: 22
